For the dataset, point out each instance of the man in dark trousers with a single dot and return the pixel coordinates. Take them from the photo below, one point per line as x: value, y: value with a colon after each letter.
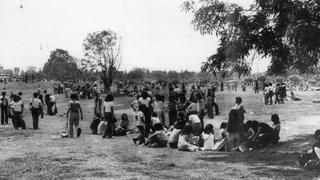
x: 216, y: 107
x: 4, y: 108
x: 48, y: 102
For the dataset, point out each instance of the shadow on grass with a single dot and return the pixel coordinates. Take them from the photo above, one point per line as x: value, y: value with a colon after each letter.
x: 277, y: 161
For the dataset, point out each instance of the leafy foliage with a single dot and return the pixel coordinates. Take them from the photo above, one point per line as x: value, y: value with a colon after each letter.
x: 60, y: 66
x: 102, y: 50
x: 288, y: 31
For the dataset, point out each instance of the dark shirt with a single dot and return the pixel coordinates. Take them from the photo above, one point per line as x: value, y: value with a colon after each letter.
x: 265, y: 128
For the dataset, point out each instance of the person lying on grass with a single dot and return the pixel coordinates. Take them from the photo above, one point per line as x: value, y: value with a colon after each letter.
x: 310, y: 160
x: 158, y: 138
x: 184, y: 138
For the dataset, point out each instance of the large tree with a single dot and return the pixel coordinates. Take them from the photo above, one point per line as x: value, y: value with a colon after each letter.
x: 61, y: 66
x: 102, y: 49
x: 288, y: 31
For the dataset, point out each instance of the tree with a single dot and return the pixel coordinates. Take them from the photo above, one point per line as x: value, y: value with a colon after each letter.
x: 285, y: 30
x: 173, y: 76
x: 61, y: 66
x: 137, y: 74
x: 102, y: 48
x: 16, y: 71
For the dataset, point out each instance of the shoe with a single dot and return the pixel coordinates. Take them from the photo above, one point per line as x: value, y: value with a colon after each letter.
x: 78, y: 132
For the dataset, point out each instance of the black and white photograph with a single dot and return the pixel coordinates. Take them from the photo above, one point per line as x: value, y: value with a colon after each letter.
x: 159, y: 89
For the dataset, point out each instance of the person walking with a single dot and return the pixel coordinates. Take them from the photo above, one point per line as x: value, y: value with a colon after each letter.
x: 74, y: 110
x: 36, y: 109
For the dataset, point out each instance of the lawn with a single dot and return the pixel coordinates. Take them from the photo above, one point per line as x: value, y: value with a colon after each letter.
x: 42, y: 154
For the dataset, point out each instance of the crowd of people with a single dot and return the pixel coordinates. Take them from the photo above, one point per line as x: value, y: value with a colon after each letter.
x: 13, y: 107
x: 185, y: 128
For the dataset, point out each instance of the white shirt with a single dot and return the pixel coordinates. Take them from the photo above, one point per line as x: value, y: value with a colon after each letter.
x: 158, y: 106
x: 194, y: 119
x: 35, y: 102
x: 155, y: 120
x: 107, y: 106
x: 17, y: 106
x: 208, y: 141
x: 146, y: 101
x: 139, y: 118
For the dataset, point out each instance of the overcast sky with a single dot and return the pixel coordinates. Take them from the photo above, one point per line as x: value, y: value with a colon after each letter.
x: 155, y: 34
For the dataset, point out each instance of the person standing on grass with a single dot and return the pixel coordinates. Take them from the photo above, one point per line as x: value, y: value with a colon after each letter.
x: 36, y: 108
x: 146, y: 101
x: 233, y: 129
x: 4, y: 102
x: 159, y: 109
x: 18, y: 108
x: 239, y: 107
x: 140, y: 118
x: 172, y: 106
x: 108, y: 116
x: 74, y: 110
x: 47, y: 102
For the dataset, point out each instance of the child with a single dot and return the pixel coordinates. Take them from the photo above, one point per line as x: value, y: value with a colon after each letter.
x: 174, y: 136
x: 183, y: 141
x: 311, y: 159
x: 74, y: 109
x: 223, y: 130
x: 95, y: 124
x: 159, y: 138
x: 276, y: 125
x: 124, y: 125
x: 140, y: 118
x: 159, y: 109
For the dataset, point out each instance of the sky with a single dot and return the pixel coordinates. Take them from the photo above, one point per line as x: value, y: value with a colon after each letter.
x: 155, y: 34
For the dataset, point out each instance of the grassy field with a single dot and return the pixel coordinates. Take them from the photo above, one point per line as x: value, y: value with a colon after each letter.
x: 42, y: 154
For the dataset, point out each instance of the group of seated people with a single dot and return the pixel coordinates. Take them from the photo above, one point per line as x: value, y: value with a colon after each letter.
x: 188, y: 134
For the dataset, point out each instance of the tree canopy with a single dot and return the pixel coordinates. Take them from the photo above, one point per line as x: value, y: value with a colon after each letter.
x: 288, y: 31
x: 61, y: 66
x: 102, y: 49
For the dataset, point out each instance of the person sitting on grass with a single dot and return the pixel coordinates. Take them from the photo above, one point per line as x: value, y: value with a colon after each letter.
x: 185, y: 136
x: 264, y: 135
x: 195, y: 123
x: 310, y: 160
x: 74, y: 110
x: 140, y: 118
x: 154, y: 120
x: 174, y: 135
x: 208, y: 142
x: 124, y: 125
x: 95, y: 123
x: 293, y: 97
x: 159, y: 138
